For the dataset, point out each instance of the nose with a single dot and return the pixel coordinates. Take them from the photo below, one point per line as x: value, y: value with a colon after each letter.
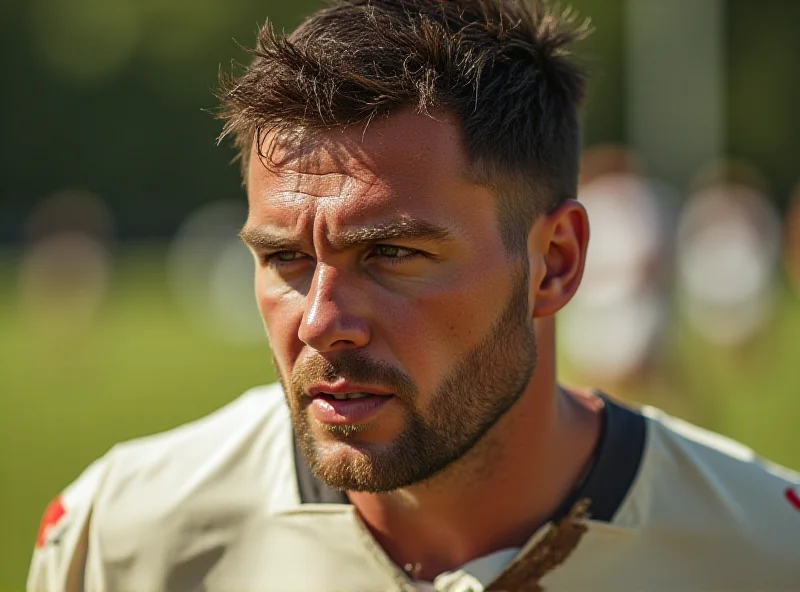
x: 330, y: 321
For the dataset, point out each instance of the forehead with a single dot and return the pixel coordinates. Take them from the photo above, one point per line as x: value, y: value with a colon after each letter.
x: 401, y: 161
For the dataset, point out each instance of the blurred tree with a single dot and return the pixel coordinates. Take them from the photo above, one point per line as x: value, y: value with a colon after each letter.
x: 110, y: 97
x: 764, y: 89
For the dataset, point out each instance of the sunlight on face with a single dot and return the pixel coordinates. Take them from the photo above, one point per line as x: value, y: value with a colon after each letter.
x: 379, y: 266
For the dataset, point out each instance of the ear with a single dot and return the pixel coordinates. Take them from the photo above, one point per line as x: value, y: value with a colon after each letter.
x: 556, y: 253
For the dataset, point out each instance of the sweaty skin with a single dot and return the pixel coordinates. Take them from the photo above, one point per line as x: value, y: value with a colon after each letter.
x: 373, y: 243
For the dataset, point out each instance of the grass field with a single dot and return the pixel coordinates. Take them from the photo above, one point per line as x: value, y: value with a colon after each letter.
x: 142, y: 367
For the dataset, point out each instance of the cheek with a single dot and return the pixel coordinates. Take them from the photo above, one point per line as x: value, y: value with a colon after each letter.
x: 282, y: 314
x: 433, y: 332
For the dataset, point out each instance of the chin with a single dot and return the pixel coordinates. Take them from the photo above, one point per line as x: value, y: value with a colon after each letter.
x: 353, y: 465
x: 354, y: 445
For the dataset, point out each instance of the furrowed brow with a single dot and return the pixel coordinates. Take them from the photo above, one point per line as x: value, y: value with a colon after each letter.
x: 400, y: 229
x: 257, y: 237
x: 263, y: 238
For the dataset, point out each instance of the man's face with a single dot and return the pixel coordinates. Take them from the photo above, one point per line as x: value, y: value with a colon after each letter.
x: 399, y: 324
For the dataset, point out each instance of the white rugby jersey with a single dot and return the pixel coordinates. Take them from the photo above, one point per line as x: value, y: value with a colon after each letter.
x: 227, y: 504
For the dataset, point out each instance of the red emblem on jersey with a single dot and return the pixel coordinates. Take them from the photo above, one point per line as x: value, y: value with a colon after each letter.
x: 793, y: 498
x: 52, y: 515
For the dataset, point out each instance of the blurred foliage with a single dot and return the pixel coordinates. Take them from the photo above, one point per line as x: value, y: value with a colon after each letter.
x: 764, y: 89
x: 109, y: 96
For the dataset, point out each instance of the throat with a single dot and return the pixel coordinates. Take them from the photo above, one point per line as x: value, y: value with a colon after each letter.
x: 426, y: 542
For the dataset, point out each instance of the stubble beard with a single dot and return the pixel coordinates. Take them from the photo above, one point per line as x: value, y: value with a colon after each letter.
x: 471, y: 399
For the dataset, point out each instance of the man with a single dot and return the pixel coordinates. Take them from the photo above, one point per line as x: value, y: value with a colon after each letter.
x: 410, y: 168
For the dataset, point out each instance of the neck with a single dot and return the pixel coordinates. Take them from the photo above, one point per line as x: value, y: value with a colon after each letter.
x: 502, y: 491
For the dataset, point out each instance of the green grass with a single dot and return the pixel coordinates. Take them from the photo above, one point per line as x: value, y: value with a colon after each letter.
x: 66, y: 398
x: 142, y: 367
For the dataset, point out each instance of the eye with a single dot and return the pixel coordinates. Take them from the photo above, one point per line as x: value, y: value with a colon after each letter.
x: 283, y: 257
x: 391, y: 251
x: 394, y: 254
x: 286, y: 255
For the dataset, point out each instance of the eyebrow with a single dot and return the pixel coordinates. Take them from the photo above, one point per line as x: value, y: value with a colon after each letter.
x: 263, y: 237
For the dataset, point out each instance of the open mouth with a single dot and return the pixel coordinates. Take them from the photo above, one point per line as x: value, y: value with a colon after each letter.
x: 355, y: 407
x: 346, y: 396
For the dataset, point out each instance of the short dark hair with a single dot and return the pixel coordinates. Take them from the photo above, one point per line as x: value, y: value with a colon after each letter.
x: 502, y: 67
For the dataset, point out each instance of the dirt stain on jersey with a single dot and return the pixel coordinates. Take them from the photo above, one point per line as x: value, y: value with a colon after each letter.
x: 525, y: 572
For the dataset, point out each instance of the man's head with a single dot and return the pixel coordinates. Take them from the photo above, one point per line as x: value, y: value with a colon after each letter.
x: 409, y: 166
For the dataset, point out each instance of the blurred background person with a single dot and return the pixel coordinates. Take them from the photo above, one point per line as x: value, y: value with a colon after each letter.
x: 729, y: 237
x: 65, y: 266
x: 218, y: 295
x: 613, y: 332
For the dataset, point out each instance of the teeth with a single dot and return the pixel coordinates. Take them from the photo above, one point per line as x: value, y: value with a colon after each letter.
x: 346, y: 396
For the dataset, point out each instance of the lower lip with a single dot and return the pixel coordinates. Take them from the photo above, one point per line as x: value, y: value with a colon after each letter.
x: 347, y: 411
